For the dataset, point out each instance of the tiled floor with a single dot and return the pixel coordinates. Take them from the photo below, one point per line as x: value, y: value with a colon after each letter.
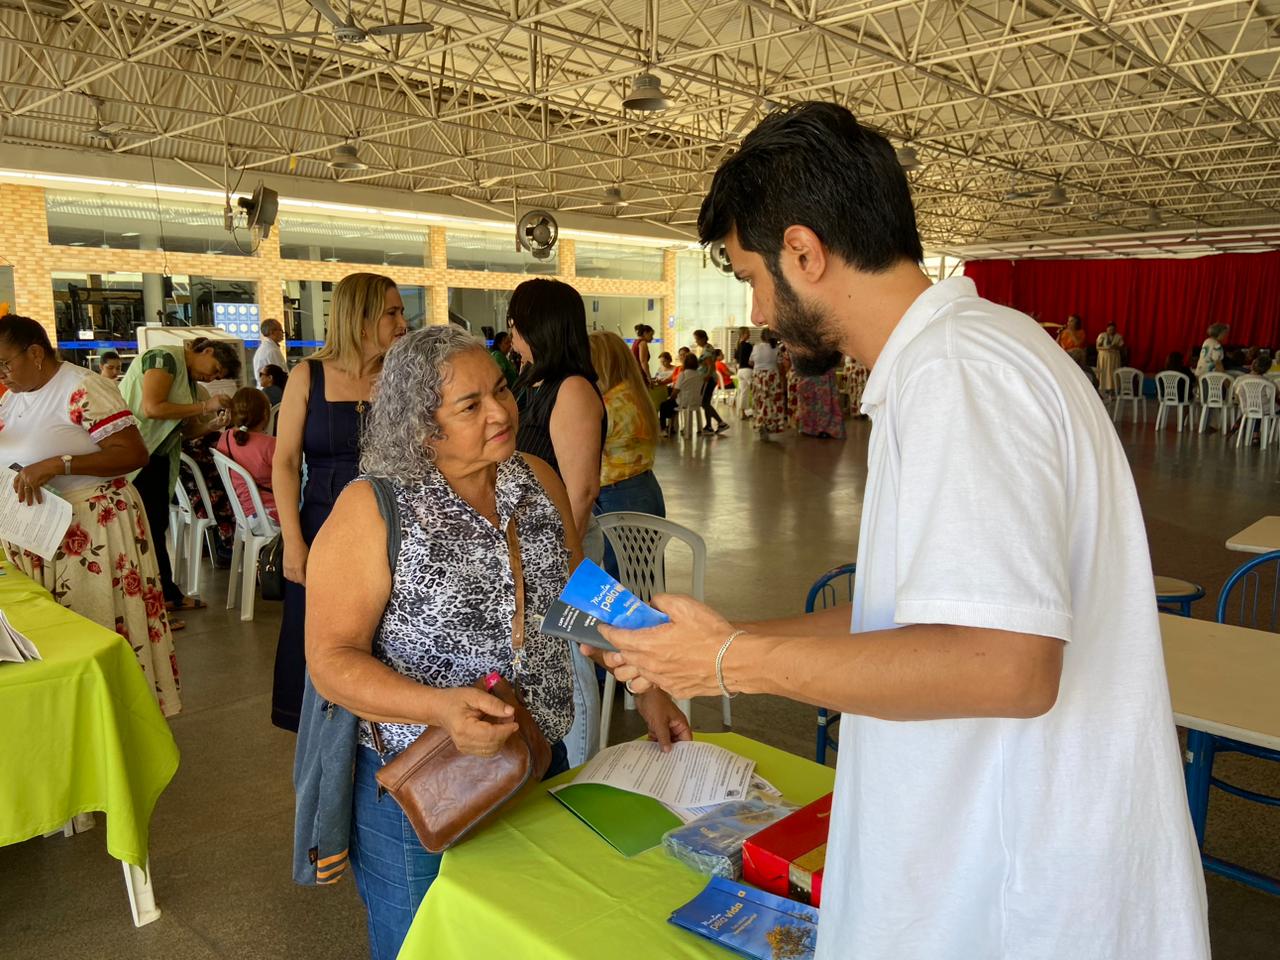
x: 774, y: 515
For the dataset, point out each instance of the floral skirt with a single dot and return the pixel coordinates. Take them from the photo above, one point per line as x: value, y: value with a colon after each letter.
x: 106, y: 572
x: 818, y: 406
x: 769, y: 394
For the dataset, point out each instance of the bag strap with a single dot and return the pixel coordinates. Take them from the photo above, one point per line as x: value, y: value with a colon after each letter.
x: 517, y: 572
x: 386, y: 497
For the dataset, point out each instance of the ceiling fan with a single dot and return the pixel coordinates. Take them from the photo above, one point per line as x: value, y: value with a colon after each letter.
x: 104, y: 132
x: 348, y: 31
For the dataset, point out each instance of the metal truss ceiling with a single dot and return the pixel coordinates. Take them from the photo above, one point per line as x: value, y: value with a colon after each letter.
x: 1131, y: 105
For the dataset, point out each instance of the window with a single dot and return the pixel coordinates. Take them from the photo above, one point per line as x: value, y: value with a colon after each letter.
x: 474, y: 310
x: 622, y: 314
x: 617, y: 261
x: 495, y: 253
x: 139, y: 223
x: 308, y: 237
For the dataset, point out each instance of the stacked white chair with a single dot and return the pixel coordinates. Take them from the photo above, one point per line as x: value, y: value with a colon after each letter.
x: 253, y: 532
x: 1173, y: 392
x: 639, y: 541
x: 1257, y: 399
x: 1215, y: 394
x: 1128, y: 384
x: 195, y: 534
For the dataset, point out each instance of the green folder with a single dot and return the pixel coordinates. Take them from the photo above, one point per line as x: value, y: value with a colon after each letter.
x: 628, y: 822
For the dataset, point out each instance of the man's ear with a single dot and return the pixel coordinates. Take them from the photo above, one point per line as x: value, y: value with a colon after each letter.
x: 806, y: 252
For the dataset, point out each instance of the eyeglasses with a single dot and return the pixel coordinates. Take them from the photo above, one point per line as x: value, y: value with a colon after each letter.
x: 5, y: 365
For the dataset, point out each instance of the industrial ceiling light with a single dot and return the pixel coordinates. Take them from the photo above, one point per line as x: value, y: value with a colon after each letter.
x: 613, y: 196
x: 1154, y: 217
x: 1057, y: 196
x: 907, y: 158
x: 646, y: 95
x: 345, y: 157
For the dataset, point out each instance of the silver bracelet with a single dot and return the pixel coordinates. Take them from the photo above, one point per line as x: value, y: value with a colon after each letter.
x: 720, y: 663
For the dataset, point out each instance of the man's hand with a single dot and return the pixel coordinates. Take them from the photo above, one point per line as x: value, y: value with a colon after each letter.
x: 666, y: 723
x: 679, y: 657
x: 478, y: 722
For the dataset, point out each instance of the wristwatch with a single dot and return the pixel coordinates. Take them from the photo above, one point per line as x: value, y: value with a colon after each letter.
x: 66, y: 464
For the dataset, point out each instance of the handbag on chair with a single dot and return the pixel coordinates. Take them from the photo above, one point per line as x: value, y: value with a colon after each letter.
x: 271, y: 569
x: 448, y: 795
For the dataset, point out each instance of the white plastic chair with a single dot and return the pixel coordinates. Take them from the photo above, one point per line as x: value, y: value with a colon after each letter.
x: 688, y: 420
x: 639, y: 542
x: 1173, y: 392
x: 271, y: 422
x: 1214, y: 395
x: 1257, y: 399
x: 196, y: 531
x: 1128, y: 384
x: 252, y: 534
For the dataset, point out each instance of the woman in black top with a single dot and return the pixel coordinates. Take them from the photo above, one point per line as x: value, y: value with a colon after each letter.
x: 562, y: 421
x: 562, y: 417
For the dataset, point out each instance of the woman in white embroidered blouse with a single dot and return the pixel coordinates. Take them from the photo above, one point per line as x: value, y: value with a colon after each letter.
x: 401, y: 647
x: 72, y: 434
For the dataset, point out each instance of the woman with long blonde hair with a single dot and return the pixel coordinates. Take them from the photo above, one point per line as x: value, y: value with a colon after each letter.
x: 627, y: 481
x: 325, y: 403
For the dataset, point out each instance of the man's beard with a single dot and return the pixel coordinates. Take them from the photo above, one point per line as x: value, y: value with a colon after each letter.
x: 809, y: 333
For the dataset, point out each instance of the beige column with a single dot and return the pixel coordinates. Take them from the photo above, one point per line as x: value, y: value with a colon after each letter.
x: 24, y: 243
x: 438, y: 265
x: 568, y: 266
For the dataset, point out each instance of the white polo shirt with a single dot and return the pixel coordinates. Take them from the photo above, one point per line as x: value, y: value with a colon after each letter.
x: 268, y: 352
x: 998, y: 496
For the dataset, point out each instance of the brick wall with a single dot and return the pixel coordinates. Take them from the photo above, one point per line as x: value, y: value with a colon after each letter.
x: 25, y: 243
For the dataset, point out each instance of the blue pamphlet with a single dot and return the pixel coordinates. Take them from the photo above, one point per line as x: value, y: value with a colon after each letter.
x: 750, y: 921
x: 594, y: 592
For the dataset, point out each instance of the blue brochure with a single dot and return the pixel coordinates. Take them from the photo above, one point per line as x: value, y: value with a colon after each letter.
x: 594, y: 592
x: 750, y: 921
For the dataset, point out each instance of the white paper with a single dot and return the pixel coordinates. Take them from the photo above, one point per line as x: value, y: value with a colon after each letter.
x: 14, y: 646
x: 36, y: 527
x: 759, y: 785
x: 693, y: 774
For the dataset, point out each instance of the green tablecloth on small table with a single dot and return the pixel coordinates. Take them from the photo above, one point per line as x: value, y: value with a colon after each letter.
x: 80, y: 730
x: 540, y: 884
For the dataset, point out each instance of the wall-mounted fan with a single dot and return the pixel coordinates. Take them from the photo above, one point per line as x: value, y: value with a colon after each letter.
x: 537, y: 232
x: 261, y: 209
x: 348, y: 31
x: 720, y: 257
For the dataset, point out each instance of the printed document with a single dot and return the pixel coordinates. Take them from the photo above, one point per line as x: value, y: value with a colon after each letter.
x: 693, y: 774
x: 36, y: 527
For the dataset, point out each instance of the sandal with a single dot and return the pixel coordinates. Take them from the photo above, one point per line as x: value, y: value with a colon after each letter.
x: 186, y: 603
x: 176, y: 625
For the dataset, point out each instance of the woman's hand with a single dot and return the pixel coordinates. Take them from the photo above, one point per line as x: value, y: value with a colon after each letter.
x: 478, y: 722
x: 295, y: 560
x: 667, y: 725
x: 215, y: 404
x: 31, y: 478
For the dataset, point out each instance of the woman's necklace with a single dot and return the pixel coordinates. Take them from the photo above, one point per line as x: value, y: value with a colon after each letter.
x: 360, y: 406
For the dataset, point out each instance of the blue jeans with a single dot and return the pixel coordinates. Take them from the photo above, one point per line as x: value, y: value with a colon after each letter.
x: 639, y: 494
x: 393, y: 872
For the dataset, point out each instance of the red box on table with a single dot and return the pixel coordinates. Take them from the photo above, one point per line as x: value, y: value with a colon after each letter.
x: 787, y: 858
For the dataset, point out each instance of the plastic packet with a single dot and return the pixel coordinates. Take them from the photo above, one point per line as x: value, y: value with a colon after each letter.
x: 712, y: 844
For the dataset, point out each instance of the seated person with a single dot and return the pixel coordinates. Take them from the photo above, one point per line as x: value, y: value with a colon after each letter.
x: 271, y: 380
x: 688, y: 387
x: 247, y: 442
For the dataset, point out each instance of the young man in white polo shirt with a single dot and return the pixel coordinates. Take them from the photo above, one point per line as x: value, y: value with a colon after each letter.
x: 1008, y: 783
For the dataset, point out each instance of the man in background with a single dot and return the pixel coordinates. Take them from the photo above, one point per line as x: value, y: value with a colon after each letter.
x: 269, y: 348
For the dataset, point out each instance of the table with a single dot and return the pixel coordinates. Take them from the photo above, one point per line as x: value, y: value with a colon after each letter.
x: 82, y: 733
x: 1221, y: 682
x: 538, y: 883
x: 1260, y: 537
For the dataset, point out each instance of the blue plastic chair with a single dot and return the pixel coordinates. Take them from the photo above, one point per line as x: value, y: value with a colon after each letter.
x: 1255, y: 591
x: 829, y: 590
x: 1177, y: 596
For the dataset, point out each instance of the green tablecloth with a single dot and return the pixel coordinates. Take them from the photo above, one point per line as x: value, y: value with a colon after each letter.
x: 79, y: 730
x: 540, y: 884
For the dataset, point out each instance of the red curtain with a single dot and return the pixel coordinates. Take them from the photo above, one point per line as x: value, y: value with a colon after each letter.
x: 1158, y: 306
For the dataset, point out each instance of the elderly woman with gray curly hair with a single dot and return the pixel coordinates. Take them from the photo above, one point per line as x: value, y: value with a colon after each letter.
x: 401, y: 647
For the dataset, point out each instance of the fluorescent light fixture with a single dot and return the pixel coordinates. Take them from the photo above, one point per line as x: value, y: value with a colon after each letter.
x: 131, y: 233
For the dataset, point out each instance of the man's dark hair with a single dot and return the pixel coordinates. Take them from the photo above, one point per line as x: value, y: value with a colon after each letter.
x: 106, y: 355
x: 814, y: 165
x: 552, y: 319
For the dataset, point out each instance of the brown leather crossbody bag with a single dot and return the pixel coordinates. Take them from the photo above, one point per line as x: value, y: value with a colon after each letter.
x: 448, y: 795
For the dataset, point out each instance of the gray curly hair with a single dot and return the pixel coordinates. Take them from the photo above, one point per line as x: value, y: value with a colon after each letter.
x: 402, y: 424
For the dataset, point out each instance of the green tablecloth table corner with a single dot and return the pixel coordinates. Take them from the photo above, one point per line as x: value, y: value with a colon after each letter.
x: 82, y: 730
x: 540, y: 884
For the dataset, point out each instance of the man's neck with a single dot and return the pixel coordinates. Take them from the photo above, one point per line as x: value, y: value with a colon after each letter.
x: 871, y: 304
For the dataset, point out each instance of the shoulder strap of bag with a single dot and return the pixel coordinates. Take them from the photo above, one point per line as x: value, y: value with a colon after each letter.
x: 386, y: 497
x: 517, y: 572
